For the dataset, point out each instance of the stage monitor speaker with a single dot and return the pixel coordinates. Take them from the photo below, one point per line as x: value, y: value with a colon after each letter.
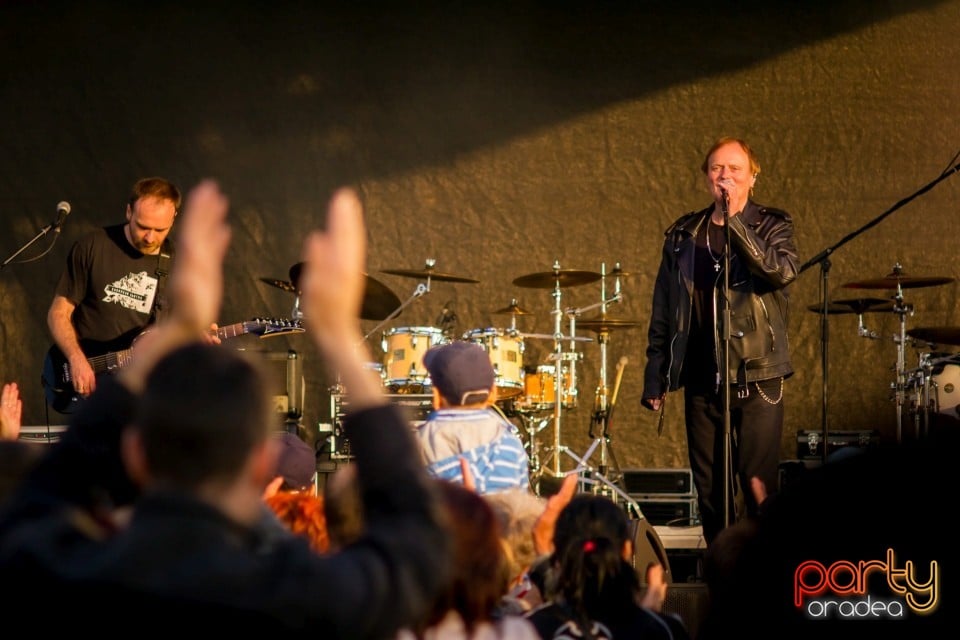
x: 658, y: 481
x: 647, y: 549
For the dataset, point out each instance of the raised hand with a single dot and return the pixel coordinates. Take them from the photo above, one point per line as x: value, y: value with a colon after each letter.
x: 331, y: 285
x: 545, y: 525
x: 196, y: 284
x: 332, y: 278
x: 11, y: 407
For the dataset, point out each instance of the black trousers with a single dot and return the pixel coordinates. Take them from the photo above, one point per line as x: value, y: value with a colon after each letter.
x: 756, y: 425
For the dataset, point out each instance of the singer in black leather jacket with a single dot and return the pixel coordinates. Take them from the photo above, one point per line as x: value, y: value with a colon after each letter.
x: 685, y: 338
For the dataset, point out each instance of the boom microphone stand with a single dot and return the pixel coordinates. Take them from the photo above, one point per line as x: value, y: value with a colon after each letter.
x: 63, y: 210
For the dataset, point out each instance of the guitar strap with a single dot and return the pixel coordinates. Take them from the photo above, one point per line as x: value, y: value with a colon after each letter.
x: 160, y: 306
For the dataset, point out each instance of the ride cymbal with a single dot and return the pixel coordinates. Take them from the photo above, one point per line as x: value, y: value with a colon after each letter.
x: 855, y: 305
x: 557, y: 278
x: 936, y: 335
x: 423, y: 274
x: 378, y: 300
x: 901, y: 280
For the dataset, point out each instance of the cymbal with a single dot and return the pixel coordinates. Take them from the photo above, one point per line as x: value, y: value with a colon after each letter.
x: 855, y: 305
x: 514, y: 309
x: 606, y: 325
x: 558, y: 277
x: 378, y: 300
x: 423, y: 274
x: 550, y: 336
x: 936, y: 335
x: 891, y: 280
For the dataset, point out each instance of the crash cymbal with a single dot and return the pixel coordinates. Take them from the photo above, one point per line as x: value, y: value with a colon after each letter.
x: 606, y: 325
x: 378, y: 300
x: 891, y: 280
x: 558, y: 277
x: 936, y: 335
x: 855, y: 305
x: 425, y: 273
x: 514, y: 309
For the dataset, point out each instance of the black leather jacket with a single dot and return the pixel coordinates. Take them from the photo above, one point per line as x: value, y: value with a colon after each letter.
x: 763, y: 262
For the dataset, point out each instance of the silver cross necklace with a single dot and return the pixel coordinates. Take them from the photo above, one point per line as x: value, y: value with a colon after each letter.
x: 716, y: 259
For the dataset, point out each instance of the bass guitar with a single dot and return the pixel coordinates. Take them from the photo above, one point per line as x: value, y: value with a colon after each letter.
x: 58, y: 385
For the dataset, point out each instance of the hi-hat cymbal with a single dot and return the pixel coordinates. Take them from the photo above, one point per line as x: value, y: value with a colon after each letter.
x: 855, y: 305
x: 892, y: 280
x: 514, y: 309
x: 606, y: 325
x: 423, y: 274
x: 550, y: 336
x: 936, y: 335
x: 378, y: 300
x: 557, y: 278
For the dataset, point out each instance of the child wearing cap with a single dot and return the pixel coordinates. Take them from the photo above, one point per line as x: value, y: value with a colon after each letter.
x: 464, y: 424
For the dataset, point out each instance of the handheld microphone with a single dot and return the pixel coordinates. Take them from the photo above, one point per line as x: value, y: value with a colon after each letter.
x: 63, y: 210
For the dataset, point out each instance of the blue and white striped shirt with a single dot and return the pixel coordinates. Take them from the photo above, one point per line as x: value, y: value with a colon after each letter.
x: 490, y: 444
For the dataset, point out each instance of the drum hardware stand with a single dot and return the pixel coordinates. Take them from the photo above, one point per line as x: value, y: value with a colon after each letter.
x: 602, y: 412
x: 604, y: 484
x: 923, y: 400
x: 420, y: 290
x: 559, y: 357
x: 533, y: 445
x: 900, y: 386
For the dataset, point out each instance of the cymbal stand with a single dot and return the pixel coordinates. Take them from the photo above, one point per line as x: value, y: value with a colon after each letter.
x: 900, y: 386
x: 603, y: 481
x: 602, y: 411
x: 559, y: 357
x: 421, y: 290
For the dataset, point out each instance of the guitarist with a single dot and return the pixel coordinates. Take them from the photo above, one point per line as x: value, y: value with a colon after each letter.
x: 112, y: 286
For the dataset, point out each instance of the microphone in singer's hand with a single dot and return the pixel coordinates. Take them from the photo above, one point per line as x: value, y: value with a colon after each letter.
x: 724, y: 186
x: 63, y: 210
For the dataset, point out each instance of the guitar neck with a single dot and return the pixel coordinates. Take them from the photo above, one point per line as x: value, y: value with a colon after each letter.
x: 110, y: 361
x: 232, y: 330
x: 116, y: 359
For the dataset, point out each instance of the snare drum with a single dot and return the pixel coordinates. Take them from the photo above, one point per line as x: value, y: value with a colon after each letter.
x: 506, y: 356
x: 403, y: 351
x: 540, y: 389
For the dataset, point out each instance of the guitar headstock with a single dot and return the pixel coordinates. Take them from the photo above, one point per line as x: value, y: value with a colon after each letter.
x: 270, y: 327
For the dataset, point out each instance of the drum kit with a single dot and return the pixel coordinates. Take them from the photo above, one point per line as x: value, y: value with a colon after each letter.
x: 537, y: 394
x: 932, y: 387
